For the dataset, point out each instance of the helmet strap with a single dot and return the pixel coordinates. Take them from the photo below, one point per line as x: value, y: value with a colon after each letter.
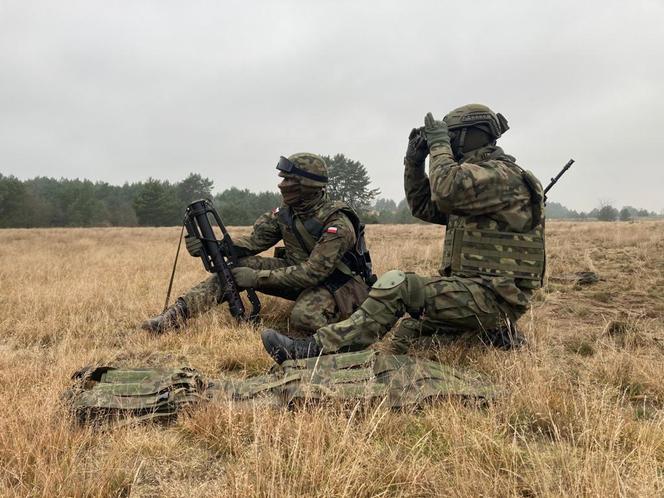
x: 462, y: 138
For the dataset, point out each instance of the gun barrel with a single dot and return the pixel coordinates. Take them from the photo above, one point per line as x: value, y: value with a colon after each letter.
x: 557, y: 177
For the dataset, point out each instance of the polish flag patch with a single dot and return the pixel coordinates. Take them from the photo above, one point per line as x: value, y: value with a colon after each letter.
x: 331, y: 230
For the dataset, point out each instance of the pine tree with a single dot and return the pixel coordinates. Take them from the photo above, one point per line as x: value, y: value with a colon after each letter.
x: 349, y: 182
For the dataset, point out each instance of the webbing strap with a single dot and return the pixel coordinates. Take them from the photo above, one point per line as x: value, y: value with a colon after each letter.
x: 308, y: 243
x: 500, y: 268
x: 416, y: 291
x: 348, y: 375
x: 523, y: 256
x: 513, y: 242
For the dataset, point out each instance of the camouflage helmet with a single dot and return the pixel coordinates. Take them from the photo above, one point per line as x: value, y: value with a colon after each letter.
x: 309, y: 168
x: 477, y: 115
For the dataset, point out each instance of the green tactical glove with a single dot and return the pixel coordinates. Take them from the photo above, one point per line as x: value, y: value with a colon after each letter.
x: 418, y: 149
x: 245, y: 277
x: 435, y: 131
x: 194, y: 245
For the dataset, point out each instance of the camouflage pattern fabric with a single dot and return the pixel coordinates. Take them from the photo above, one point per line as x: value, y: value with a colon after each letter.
x: 107, y: 394
x: 485, y: 187
x: 311, y: 163
x: 296, y: 275
x: 398, y: 380
x: 448, y: 303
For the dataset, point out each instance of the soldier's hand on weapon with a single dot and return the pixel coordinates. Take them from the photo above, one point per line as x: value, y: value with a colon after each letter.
x: 418, y: 148
x: 245, y: 277
x: 435, y: 131
x: 194, y: 245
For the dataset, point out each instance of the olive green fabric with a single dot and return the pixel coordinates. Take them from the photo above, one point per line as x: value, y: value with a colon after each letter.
x: 474, y: 247
x: 126, y: 395
x: 477, y: 115
x: 397, y: 380
x: 440, y: 303
x: 112, y: 395
x: 435, y: 131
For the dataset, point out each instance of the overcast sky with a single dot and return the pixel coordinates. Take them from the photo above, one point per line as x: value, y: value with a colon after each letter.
x: 125, y: 90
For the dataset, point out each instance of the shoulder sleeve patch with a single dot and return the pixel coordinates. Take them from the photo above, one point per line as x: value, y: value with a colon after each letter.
x: 331, y: 230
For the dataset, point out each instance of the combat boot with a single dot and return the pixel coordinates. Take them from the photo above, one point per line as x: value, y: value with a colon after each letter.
x: 282, y: 348
x: 172, y: 317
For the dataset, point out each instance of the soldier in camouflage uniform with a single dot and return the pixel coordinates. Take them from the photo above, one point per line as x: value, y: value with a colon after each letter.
x: 314, y: 268
x: 493, y: 258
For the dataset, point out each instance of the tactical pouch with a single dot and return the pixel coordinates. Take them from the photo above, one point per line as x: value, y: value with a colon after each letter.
x: 106, y: 394
x: 348, y: 292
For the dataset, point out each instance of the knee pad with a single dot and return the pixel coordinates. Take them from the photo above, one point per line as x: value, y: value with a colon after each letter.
x: 407, y: 287
x: 398, y: 291
x: 389, y: 280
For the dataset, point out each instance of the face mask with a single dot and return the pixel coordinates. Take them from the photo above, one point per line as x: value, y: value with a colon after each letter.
x: 291, y: 193
x: 295, y: 194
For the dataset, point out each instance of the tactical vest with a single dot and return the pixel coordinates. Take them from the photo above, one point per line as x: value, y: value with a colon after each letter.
x: 122, y: 396
x: 396, y: 380
x: 476, y: 245
x: 109, y: 394
x: 300, y: 238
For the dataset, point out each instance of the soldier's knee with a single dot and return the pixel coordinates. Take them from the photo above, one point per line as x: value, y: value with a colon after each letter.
x: 397, y: 285
x: 308, y: 320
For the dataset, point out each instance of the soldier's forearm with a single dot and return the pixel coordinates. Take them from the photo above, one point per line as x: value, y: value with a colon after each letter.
x: 443, y: 170
x: 418, y: 195
x: 297, y: 277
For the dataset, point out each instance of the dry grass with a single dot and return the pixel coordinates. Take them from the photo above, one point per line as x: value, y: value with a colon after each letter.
x: 582, y: 412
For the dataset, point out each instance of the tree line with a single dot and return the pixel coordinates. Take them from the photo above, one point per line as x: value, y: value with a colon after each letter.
x: 604, y: 212
x: 50, y: 202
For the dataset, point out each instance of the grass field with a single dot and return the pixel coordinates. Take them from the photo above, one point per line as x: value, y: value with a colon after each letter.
x: 582, y: 412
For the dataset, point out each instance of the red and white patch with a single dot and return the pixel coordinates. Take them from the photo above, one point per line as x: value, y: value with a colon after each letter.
x: 331, y: 230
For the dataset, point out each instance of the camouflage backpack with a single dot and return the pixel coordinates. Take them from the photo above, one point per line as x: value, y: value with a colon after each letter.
x: 103, y: 394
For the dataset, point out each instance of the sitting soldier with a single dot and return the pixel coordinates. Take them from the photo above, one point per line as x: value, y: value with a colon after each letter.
x: 322, y: 266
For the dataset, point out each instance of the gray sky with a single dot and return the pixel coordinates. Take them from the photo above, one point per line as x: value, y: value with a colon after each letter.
x: 125, y: 90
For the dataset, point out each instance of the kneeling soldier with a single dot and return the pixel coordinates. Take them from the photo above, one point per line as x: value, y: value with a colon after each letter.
x: 493, y: 257
x: 322, y: 266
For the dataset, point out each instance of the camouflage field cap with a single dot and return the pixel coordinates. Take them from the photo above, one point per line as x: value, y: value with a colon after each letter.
x: 310, y: 168
x: 477, y: 115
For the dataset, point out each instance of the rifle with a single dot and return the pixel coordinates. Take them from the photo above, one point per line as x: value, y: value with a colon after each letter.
x: 557, y: 177
x: 219, y: 256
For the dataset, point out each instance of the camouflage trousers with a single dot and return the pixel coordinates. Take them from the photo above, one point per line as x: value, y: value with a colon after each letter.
x: 314, y: 307
x: 440, y: 305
